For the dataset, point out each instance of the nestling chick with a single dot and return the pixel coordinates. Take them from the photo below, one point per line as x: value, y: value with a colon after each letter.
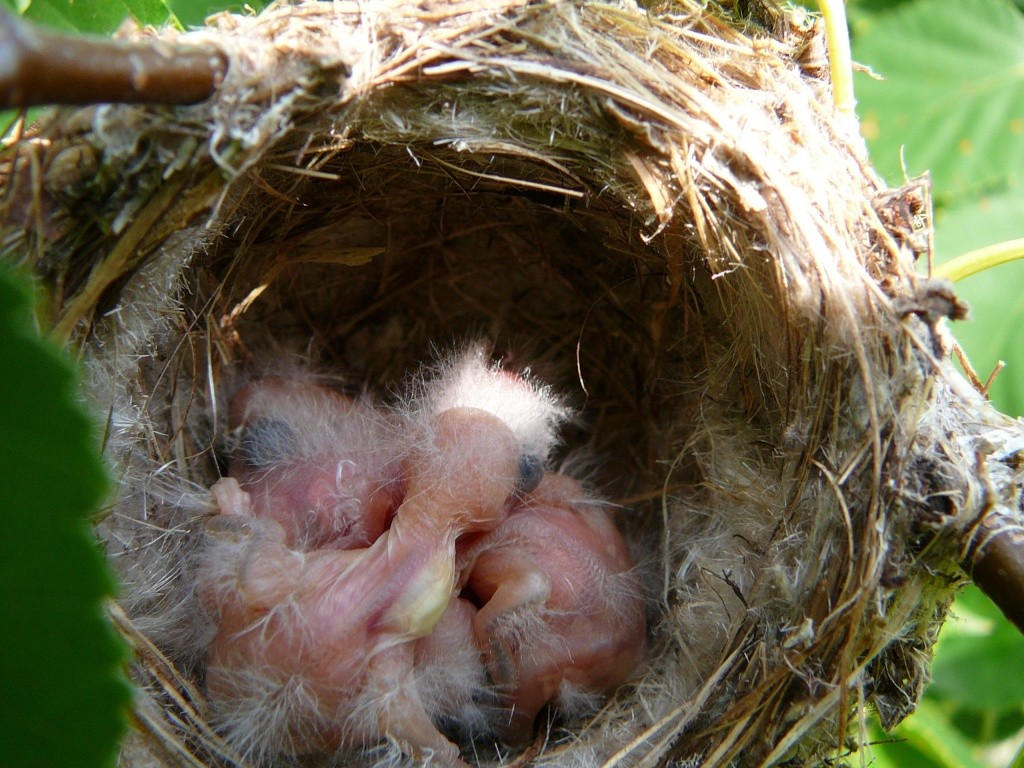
x: 451, y: 677
x: 324, y: 466
x: 316, y: 647
x: 562, y: 615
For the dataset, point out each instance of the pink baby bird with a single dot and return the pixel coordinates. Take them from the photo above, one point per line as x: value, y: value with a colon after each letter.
x: 316, y: 648
x: 323, y: 465
x: 562, y: 615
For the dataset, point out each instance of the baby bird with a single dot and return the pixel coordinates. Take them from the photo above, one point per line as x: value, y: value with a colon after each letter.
x: 323, y: 465
x: 316, y: 645
x: 562, y: 615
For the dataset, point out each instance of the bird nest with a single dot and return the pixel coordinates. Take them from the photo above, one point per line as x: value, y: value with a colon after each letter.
x: 658, y: 212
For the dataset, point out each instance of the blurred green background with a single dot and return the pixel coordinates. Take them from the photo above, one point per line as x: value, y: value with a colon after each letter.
x: 952, y: 104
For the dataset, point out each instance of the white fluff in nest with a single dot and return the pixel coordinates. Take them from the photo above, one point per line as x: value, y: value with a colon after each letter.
x: 321, y: 645
x: 531, y: 410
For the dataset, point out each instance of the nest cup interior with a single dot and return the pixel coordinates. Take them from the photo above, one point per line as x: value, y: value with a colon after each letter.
x: 386, y: 262
x: 366, y: 278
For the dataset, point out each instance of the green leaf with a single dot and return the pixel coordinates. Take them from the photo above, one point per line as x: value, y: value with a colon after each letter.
x: 862, y: 14
x: 1018, y: 761
x: 192, y: 13
x: 926, y: 739
x: 153, y: 12
x: 888, y: 751
x: 103, y: 17
x: 97, y: 17
x: 18, y: 6
x: 63, y: 694
x: 980, y: 658
x: 953, y: 93
x: 995, y: 296
x: 930, y: 732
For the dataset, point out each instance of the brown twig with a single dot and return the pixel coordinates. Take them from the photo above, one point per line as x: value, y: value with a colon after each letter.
x: 996, y: 565
x: 43, y: 67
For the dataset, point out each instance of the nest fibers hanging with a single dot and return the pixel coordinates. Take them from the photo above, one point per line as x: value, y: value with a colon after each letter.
x: 654, y: 209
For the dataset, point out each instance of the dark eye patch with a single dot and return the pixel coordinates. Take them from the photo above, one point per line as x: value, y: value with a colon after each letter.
x: 531, y: 470
x: 265, y: 442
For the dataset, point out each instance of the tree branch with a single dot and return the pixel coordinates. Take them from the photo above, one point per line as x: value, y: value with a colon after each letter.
x: 996, y: 564
x: 41, y: 67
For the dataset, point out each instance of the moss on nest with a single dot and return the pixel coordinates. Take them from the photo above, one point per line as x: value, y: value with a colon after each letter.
x: 657, y: 210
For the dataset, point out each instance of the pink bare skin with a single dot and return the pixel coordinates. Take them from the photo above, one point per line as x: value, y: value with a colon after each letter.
x: 561, y: 611
x: 316, y: 650
x: 321, y: 464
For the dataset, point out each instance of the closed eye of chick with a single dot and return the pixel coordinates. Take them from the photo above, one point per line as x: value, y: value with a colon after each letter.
x: 325, y: 466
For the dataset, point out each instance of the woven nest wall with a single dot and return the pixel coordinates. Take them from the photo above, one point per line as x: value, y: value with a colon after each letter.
x: 657, y: 211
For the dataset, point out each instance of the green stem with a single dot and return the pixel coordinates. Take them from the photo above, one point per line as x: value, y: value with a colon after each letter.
x: 840, y: 60
x: 978, y: 261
